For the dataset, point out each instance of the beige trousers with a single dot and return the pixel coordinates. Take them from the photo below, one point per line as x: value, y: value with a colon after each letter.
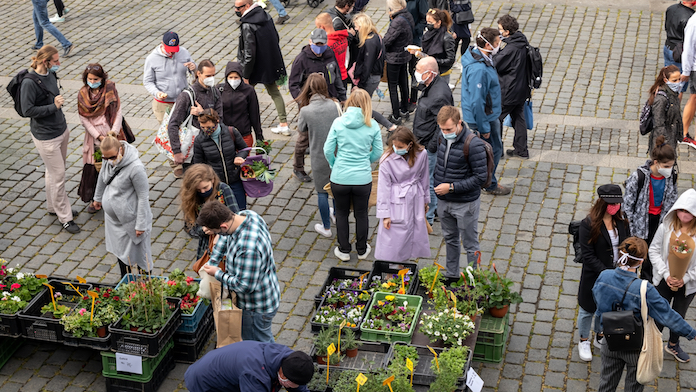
x: 54, y: 153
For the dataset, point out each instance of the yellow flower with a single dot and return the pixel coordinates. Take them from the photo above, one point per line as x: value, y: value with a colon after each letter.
x: 385, y: 285
x: 389, y: 297
x: 391, y: 284
x: 380, y: 303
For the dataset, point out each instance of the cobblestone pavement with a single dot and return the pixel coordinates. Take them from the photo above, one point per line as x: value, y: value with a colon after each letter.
x: 599, y: 61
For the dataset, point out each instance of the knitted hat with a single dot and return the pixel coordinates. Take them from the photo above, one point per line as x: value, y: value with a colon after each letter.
x: 298, y: 368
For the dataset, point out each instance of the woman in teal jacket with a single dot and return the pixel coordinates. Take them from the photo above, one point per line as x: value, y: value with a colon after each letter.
x: 354, y: 142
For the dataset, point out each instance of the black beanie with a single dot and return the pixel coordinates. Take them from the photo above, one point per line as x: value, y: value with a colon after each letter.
x: 298, y: 368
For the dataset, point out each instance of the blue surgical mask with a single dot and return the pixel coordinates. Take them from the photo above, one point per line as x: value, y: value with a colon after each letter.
x: 55, y: 68
x: 318, y: 49
x: 94, y: 85
x: 676, y: 87
x: 449, y: 136
x: 399, y: 152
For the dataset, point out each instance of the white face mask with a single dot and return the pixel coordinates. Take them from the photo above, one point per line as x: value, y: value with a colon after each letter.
x: 234, y: 83
x: 210, y: 82
x: 666, y: 172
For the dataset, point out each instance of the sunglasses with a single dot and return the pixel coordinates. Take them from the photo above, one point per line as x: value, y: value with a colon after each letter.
x: 94, y: 68
x: 109, y: 158
x: 239, y: 7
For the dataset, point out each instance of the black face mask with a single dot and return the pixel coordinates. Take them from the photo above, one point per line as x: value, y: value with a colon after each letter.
x: 430, y: 26
x: 206, y: 193
x: 238, y: 13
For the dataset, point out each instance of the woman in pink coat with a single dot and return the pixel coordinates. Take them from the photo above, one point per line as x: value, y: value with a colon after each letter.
x: 402, y: 199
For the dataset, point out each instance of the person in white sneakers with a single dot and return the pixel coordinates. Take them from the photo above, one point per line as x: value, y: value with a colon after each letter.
x: 61, y: 11
x: 688, y: 62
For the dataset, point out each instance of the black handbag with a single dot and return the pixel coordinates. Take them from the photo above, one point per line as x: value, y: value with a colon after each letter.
x: 464, y: 17
x: 623, y: 331
x: 127, y: 132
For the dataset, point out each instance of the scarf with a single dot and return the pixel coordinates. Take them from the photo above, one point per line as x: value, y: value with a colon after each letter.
x: 105, y: 102
x: 433, y: 41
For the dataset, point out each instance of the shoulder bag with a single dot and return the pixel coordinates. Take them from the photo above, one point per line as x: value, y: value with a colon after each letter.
x: 651, y: 355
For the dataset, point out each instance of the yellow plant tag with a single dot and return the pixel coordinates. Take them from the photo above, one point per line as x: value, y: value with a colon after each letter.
x: 74, y: 288
x: 454, y: 299
x: 53, y: 299
x: 81, y: 279
x: 361, y: 379
x: 409, y: 366
x: 403, y: 273
x: 94, y: 296
x: 362, y: 277
x: 330, y: 350
x: 41, y: 276
x: 435, y: 354
x: 388, y: 383
x: 439, y: 267
x: 340, y: 327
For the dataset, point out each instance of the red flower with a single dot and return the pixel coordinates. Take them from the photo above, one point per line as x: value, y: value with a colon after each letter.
x: 2, y: 286
x: 15, y: 286
x: 116, y: 298
x: 189, y: 279
x: 171, y: 282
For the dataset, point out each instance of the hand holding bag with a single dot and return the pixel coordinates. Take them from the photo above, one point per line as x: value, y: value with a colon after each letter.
x: 187, y: 134
x: 622, y: 330
x: 228, y: 322
x: 651, y: 355
x: 206, y: 279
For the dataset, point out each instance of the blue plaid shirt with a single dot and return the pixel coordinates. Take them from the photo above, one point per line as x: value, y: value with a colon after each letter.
x: 250, y: 266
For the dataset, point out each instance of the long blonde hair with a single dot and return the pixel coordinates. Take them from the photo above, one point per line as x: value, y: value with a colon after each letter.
x: 44, y: 54
x: 188, y: 195
x: 365, y: 27
x: 361, y: 99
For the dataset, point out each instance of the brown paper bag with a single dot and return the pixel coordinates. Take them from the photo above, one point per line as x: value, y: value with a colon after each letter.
x: 429, y: 227
x: 679, y: 261
x: 228, y: 323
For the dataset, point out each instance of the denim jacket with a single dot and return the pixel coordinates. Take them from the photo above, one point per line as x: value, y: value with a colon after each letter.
x: 610, y: 287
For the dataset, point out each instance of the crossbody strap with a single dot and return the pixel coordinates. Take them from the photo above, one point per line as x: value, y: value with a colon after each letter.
x: 626, y: 291
x: 643, y: 301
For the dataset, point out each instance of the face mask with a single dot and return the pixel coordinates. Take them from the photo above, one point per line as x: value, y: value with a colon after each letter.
x: 666, y: 172
x: 449, y: 136
x: 238, y: 13
x: 116, y: 161
x: 55, y: 68
x: 430, y: 26
x: 318, y: 49
x: 495, y: 50
x: 676, y: 87
x: 210, y: 82
x: 612, y: 209
x: 206, y: 193
x: 684, y: 216
x: 94, y: 85
x: 400, y: 152
x: 234, y: 83
x: 419, y: 76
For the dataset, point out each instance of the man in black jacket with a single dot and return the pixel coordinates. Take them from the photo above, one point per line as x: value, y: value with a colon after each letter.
x: 315, y: 57
x: 458, y: 183
x: 436, y: 94
x: 676, y: 17
x: 260, y: 56
x: 513, y: 73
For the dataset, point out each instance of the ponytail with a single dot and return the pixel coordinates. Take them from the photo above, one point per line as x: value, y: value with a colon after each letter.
x: 661, y: 151
x: 110, y: 142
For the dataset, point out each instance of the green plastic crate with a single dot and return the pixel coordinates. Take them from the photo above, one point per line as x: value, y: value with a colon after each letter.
x: 491, y: 353
x: 388, y: 336
x: 492, y: 330
x: 149, y: 365
x: 8, y: 346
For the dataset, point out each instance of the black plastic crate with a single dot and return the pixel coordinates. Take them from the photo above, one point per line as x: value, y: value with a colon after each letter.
x: 385, y: 269
x: 35, y: 325
x: 96, y: 343
x: 9, y: 323
x: 188, y: 347
x: 338, y: 273
x: 316, y: 327
x: 371, y: 356
x: 145, y: 344
x: 114, y: 384
x: 422, y: 374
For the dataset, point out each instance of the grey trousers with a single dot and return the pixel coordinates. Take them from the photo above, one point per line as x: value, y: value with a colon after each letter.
x: 459, y: 221
x: 613, y: 363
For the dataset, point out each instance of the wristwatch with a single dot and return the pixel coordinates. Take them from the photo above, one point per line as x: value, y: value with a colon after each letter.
x: 451, y: 189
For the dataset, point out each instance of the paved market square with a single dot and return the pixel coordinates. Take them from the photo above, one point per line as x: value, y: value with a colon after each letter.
x: 600, y: 59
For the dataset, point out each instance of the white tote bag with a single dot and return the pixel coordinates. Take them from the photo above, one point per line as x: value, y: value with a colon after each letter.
x: 651, y: 355
x: 187, y: 134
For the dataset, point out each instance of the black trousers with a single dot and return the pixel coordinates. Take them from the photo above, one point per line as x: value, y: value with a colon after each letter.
x: 646, y: 270
x: 414, y: 84
x: 516, y: 112
x: 359, y: 197
x: 60, y: 7
x: 124, y: 268
x: 397, y: 77
x: 680, y: 303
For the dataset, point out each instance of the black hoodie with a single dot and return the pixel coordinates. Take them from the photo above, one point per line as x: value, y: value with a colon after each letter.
x: 512, y: 66
x: 259, y: 48
x: 240, y: 107
x: 307, y: 63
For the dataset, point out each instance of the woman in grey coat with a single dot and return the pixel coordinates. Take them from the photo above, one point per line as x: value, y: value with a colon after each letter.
x: 123, y: 192
x: 666, y: 110
x: 317, y: 113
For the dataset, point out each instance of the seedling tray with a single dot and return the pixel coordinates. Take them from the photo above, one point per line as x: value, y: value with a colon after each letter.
x: 142, y: 343
x: 390, y: 336
x: 9, y: 323
x: 371, y: 356
x: 422, y: 373
x: 386, y: 269
x: 340, y: 273
x: 316, y: 327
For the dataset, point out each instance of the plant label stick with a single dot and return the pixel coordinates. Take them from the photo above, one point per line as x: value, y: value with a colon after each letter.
x: 388, y: 383
x: 409, y: 366
x: 41, y: 276
x: 439, y: 267
x: 361, y: 380
x: 74, y: 288
x: 329, y: 351
x: 94, y: 296
x: 362, y: 277
x: 403, y: 273
x: 454, y: 298
x: 340, y: 327
x: 80, y: 279
x: 52, y: 298
x: 435, y: 354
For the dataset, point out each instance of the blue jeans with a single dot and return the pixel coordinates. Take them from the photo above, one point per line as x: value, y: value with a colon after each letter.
x: 279, y: 7
x: 41, y: 22
x: 432, y: 206
x: 323, y: 201
x: 257, y: 326
x: 239, y: 195
x: 584, y: 323
x: 667, y: 53
x: 496, y: 142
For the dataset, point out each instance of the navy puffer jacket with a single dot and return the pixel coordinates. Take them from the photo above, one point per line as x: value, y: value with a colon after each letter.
x: 467, y: 176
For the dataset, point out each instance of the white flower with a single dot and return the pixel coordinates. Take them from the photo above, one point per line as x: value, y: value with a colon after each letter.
x: 5, y: 294
x: 20, y: 275
x: 10, y: 270
x: 16, y: 299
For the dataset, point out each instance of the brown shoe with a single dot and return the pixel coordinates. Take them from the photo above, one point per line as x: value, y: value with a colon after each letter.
x: 179, y: 171
x: 282, y: 19
x: 499, y: 191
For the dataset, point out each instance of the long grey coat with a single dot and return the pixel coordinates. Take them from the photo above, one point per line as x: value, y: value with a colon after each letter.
x: 126, y: 206
x: 640, y: 198
x: 316, y: 118
x: 667, y: 118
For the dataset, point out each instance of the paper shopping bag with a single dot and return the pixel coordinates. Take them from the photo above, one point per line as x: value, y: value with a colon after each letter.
x: 228, y: 322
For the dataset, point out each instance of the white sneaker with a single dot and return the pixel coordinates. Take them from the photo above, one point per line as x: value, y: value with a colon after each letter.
x: 598, y: 341
x: 341, y: 256
x: 367, y: 253
x: 585, y: 350
x: 333, y: 215
x: 56, y: 19
x: 321, y: 230
x: 281, y: 130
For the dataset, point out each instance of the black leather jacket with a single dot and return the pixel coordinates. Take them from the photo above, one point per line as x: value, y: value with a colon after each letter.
x: 676, y: 17
x: 259, y: 48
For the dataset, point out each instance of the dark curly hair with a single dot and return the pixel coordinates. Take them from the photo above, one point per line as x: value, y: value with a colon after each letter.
x: 509, y: 23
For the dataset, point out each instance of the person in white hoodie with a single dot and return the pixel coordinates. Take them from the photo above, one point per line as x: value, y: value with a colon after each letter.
x: 677, y: 232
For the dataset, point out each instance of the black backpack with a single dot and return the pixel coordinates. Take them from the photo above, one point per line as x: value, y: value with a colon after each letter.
x: 536, y: 66
x: 490, y: 161
x: 574, y: 230
x: 15, y: 86
x: 646, y: 116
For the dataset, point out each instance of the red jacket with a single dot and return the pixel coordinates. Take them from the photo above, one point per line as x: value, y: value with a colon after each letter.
x: 338, y: 42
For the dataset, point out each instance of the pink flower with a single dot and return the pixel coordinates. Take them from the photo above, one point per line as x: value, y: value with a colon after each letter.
x: 189, y: 279
x: 15, y: 286
x: 82, y: 311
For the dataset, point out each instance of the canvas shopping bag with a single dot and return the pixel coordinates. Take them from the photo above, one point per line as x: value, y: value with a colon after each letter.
x: 187, y: 134
x: 228, y: 323
x: 651, y: 354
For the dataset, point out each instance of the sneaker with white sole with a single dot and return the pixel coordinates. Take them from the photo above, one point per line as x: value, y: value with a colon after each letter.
x: 677, y: 352
x: 281, y: 130
x: 56, y: 19
x: 319, y: 228
x: 341, y: 256
x: 598, y: 341
x: 333, y: 215
x: 688, y: 141
x: 585, y: 350
x: 367, y: 253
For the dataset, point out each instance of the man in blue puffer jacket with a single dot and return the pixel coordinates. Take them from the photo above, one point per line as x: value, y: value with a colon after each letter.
x: 481, y: 96
x: 458, y: 183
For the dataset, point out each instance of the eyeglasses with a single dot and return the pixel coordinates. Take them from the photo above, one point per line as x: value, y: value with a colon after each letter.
x: 239, y: 7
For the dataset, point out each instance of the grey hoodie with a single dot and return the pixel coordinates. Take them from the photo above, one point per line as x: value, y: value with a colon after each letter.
x: 165, y: 74
x: 659, y: 248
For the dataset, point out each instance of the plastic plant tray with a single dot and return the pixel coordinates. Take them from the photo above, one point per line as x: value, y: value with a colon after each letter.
x: 148, y: 365
x: 422, y: 373
x: 142, y: 343
x: 491, y: 353
x: 339, y: 273
x: 371, y: 356
x: 386, y: 269
x: 390, y: 336
x: 492, y: 330
x: 316, y: 326
x: 188, y: 347
x: 119, y: 384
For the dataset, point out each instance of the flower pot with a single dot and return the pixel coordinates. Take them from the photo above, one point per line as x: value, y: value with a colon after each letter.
x: 101, y: 331
x: 134, y: 329
x: 352, y: 353
x: 499, y: 312
x: 321, y: 360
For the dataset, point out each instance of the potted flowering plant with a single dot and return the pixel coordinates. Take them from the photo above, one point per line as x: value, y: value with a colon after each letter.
x: 149, y: 310
x: 340, y: 305
x: 80, y: 322
x: 185, y: 287
x: 447, y: 325
x: 500, y: 295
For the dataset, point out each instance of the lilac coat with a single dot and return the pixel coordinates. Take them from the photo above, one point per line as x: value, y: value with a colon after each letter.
x: 402, y: 193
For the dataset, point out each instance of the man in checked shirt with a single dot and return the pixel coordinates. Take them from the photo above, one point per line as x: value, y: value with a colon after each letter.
x: 250, y: 270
